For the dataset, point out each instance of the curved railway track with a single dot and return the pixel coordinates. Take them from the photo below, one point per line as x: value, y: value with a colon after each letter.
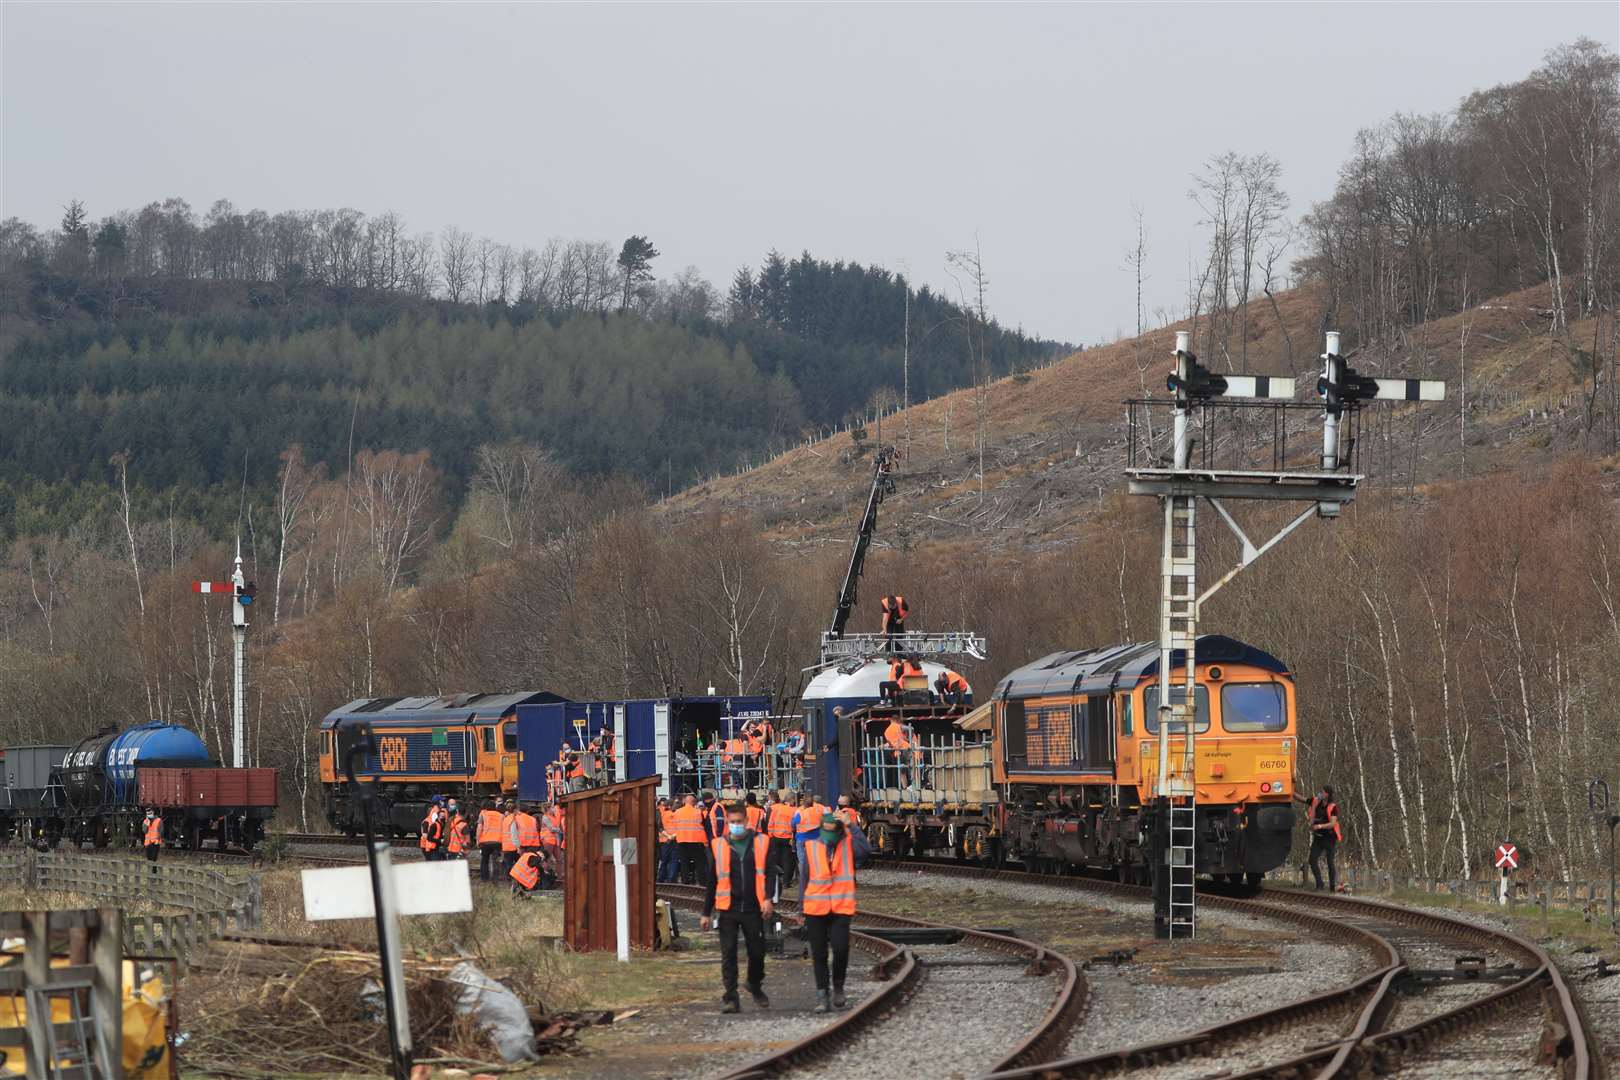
x: 1376, y: 1023
x: 1433, y: 1036
x: 902, y: 972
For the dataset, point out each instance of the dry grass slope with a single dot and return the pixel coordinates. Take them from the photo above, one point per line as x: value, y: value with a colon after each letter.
x: 1055, y: 438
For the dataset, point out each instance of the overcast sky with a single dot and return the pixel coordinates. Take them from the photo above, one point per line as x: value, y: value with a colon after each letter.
x: 881, y: 134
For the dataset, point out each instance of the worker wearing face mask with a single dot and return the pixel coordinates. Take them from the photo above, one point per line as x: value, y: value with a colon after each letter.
x: 736, y: 898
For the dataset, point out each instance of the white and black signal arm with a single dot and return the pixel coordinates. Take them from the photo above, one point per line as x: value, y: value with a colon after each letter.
x: 1342, y: 387
x: 1194, y: 384
x: 1191, y: 381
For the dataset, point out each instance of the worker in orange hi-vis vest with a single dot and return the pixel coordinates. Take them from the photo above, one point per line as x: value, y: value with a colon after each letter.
x: 667, y: 870
x: 828, y: 904
x: 525, y: 873
x: 1323, y: 817
x: 690, y: 838
x: 779, y: 826
x: 431, y: 836
x: 458, y: 839
x: 755, y: 813
x: 553, y: 844
x: 152, y: 840
x: 509, y: 837
x: 489, y: 841
x: 736, y: 900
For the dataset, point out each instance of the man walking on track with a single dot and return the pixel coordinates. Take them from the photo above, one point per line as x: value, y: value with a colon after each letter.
x: 829, y: 904
x: 1325, y: 836
x: 736, y: 893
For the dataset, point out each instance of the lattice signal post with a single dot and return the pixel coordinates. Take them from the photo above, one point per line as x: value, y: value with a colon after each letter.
x: 1178, y: 484
x: 241, y: 591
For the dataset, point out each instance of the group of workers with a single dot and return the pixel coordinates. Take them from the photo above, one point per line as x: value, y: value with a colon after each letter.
x: 906, y: 673
x: 757, y: 755
x: 745, y: 854
x: 576, y: 769
x: 513, y: 843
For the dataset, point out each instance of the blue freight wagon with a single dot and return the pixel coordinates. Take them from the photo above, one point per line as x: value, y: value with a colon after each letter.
x: 652, y: 736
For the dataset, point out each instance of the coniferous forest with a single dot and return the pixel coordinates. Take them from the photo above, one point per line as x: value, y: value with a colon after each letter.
x: 205, y: 346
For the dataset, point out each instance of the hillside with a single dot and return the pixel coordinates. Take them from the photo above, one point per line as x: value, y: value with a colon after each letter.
x: 1055, y: 442
x: 208, y: 348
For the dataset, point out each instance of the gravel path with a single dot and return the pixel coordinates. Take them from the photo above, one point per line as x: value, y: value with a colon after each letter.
x: 973, y: 1006
x: 1138, y: 1003
x: 740, y: 1038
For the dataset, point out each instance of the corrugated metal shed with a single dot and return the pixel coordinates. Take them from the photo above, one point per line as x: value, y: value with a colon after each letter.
x: 1096, y: 671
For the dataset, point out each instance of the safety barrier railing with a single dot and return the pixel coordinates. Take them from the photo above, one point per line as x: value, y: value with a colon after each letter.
x: 948, y: 769
x: 206, y: 904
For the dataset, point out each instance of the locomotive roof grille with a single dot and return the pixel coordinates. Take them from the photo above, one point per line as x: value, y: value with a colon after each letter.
x: 453, y: 709
x: 1103, y: 669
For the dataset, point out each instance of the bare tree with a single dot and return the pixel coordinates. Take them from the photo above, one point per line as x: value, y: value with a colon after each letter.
x: 970, y: 265
x: 395, y: 496
x: 456, y: 263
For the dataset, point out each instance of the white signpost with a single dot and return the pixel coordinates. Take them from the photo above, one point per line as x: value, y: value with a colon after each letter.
x: 624, y: 857
x: 1507, y: 858
x: 413, y: 888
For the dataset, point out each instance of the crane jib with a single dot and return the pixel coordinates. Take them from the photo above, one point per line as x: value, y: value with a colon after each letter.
x: 881, y: 485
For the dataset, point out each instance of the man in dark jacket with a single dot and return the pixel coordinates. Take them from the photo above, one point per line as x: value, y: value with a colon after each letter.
x: 737, y: 899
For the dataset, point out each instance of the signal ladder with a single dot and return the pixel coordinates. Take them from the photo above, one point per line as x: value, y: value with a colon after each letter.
x: 1179, y: 629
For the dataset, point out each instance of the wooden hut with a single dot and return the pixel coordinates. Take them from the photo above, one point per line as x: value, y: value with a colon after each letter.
x: 594, y: 818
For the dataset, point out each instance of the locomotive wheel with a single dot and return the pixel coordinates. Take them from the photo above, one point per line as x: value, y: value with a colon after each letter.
x: 1253, y: 880
x: 98, y: 833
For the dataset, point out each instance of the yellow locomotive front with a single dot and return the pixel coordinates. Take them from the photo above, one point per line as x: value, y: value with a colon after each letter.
x: 1077, y: 746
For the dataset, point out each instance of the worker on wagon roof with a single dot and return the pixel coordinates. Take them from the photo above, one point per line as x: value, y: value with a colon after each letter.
x: 895, y: 610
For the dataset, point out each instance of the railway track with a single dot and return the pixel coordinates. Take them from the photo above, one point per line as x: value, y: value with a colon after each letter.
x: 973, y: 964
x: 1516, y: 1016
x: 1405, y: 1017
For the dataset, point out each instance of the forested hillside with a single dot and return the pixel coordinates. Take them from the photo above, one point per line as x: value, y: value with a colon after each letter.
x: 206, y: 348
x: 1453, y: 634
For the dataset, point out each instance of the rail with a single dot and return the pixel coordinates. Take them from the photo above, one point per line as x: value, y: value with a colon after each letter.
x: 207, y: 904
x: 897, y: 968
x: 1569, y: 1042
x: 1044, y: 1040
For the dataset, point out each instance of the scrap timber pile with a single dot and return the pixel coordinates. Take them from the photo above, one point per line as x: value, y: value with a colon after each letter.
x: 280, y: 1009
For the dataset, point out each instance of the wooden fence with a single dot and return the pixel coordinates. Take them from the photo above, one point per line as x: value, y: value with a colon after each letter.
x: 204, y: 904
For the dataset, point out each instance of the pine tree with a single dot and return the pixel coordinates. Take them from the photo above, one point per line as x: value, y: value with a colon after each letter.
x: 742, y: 300
x: 73, y: 253
x: 635, y: 261
x: 773, y: 289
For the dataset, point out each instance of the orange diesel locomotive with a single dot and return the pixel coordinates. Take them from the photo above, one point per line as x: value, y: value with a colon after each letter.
x: 1076, y: 756
x: 1059, y: 767
x: 465, y: 745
